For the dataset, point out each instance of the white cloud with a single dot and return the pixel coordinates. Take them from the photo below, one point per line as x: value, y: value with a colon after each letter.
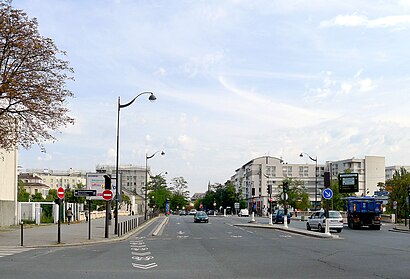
x: 365, y: 85
x: 363, y: 21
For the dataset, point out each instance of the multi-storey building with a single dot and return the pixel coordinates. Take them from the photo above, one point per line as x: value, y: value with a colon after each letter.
x: 33, y: 184
x: 55, y: 178
x: 390, y: 171
x: 132, y: 177
x: 253, y: 178
x: 371, y: 170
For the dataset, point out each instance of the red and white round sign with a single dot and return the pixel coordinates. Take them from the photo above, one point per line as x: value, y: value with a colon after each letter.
x: 60, y: 193
x: 107, y: 195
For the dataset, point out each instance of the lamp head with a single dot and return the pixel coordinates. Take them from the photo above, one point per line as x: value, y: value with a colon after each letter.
x: 152, y: 97
x: 301, y: 155
x: 162, y: 153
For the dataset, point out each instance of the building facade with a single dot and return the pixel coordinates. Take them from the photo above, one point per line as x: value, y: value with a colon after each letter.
x: 252, y: 180
x: 132, y: 177
x: 56, y: 178
x: 8, y: 187
x: 371, y: 170
x: 390, y: 171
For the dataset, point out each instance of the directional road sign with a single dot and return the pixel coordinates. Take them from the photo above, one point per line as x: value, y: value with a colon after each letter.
x: 60, y: 193
x: 327, y: 193
x: 85, y: 193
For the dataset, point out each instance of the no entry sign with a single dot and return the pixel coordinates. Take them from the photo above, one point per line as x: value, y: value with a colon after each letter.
x: 107, y: 195
x: 60, y: 193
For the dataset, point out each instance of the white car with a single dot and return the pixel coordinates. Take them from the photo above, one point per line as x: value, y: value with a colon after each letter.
x: 243, y: 213
x: 317, y: 221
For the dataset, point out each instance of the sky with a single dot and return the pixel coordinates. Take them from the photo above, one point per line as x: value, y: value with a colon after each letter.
x: 234, y: 80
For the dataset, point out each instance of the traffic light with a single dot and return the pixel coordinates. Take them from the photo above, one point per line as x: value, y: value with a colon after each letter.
x: 327, y: 179
x: 57, y: 201
x: 285, y: 187
x: 107, y: 182
x: 269, y: 189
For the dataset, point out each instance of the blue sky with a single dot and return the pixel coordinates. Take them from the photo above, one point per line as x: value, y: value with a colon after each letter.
x: 234, y: 80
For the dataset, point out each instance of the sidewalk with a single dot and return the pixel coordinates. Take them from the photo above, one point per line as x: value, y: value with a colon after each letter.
x: 73, y: 234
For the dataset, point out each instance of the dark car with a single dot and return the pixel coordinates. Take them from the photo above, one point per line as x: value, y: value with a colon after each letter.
x: 278, y: 216
x: 201, y: 216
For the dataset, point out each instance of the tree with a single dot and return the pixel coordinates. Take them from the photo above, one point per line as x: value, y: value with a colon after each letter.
x: 180, y: 186
x: 32, y: 82
x: 298, y: 198
x: 398, y: 191
x: 22, y: 194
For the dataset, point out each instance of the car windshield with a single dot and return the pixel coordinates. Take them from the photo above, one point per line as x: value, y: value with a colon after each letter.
x: 334, y: 214
x: 201, y: 214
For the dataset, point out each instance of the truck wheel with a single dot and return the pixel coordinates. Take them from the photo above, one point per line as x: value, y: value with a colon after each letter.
x: 350, y: 223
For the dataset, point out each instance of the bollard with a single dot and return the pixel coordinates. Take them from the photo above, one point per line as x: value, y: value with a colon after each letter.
x: 21, y: 234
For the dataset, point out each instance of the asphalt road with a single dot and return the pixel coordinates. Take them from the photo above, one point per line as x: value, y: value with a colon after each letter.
x: 218, y: 249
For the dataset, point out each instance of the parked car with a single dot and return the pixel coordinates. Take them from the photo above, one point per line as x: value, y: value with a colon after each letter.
x: 210, y: 212
x: 278, y: 216
x: 192, y: 212
x: 182, y: 212
x: 243, y: 213
x: 317, y: 221
x: 201, y: 216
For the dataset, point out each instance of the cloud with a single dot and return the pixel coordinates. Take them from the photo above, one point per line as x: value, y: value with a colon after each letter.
x: 363, y: 21
x: 365, y: 85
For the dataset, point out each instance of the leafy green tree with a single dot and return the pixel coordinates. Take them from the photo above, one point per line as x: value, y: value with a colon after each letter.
x: 22, y: 194
x: 298, y: 198
x: 398, y: 188
x: 37, y: 197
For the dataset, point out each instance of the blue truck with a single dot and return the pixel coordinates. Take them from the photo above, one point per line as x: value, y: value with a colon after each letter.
x: 364, y: 211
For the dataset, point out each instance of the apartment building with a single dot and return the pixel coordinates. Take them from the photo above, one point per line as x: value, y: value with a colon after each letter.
x: 371, y: 171
x: 252, y: 180
x: 132, y: 177
x: 57, y: 178
x: 390, y: 171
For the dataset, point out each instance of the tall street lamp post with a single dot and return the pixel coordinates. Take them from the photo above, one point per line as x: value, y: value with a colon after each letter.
x: 117, y: 182
x: 146, y: 181
x: 315, y: 160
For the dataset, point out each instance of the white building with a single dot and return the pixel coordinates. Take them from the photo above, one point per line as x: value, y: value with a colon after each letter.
x: 371, y: 171
x: 56, y: 178
x: 253, y: 178
x: 390, y: 171
x: 8, y: 188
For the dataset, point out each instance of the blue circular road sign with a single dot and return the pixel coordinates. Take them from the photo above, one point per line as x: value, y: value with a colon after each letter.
x: 327, y: 193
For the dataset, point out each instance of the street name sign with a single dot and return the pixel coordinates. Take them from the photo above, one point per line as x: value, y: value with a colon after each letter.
x: 85, y: 193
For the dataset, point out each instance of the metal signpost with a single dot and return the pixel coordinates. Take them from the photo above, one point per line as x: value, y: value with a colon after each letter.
x: 87, y: 193
x: 60, y: 195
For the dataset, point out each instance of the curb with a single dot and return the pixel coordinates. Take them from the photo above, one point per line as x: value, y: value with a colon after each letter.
x: 107, y: 240
x: 288, y: 229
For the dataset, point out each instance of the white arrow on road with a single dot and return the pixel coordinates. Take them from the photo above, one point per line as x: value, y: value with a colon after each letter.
x: 144, y: 266
x: 181, y: 232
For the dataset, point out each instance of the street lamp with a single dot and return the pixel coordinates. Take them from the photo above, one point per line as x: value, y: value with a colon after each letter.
x: 117, y: 183
x: 146, y: 180
x: 315, y: 160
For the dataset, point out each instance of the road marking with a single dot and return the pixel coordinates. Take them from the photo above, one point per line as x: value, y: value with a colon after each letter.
x: 138, y: 246
x: 285, y: 236
x: 9, y: 251
x: 146, y: 266
x: 181, y: 232
x: 146, y: 258
x: 141, y: 254
x: 236, y: 236
x: 139, y: 249
x: 182, y: 236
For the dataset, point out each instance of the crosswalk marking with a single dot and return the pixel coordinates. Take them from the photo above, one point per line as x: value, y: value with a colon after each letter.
x: 9, y: 251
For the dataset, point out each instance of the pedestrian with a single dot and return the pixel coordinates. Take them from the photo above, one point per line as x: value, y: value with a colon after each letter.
x: 69, y: 214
